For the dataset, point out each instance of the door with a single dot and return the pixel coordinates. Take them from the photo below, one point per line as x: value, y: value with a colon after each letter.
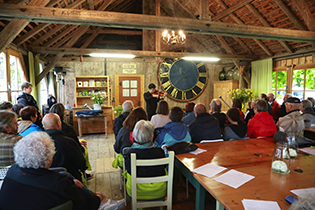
x: 130, y: 89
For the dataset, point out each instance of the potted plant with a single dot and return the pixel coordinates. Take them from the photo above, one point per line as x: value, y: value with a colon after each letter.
x: 98, y: 99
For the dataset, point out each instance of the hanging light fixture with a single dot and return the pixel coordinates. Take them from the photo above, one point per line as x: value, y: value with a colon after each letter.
x: 173, y: 38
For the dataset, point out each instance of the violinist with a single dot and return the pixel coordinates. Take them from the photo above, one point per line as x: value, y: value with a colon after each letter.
x: 152, y: 97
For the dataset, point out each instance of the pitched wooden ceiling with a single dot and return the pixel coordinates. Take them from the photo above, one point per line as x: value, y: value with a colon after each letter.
x: 238, y: 29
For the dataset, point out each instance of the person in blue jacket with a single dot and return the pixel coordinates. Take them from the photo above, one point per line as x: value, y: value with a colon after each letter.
x: 174, y: 131
x: 26, y: 125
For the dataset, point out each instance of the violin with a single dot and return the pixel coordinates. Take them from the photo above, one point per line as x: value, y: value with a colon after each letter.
x: 159, y: 93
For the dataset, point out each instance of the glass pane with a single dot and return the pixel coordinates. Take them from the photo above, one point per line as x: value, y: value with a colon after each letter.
x: 274, y: 76
x: 125, y: 83
x: 3, y: 96
x: 279, y: 96
x: 281, y: 80
x: 14, y: 96
x: 13, y: 73
x: 3, y: 74
x: 133, y: 92
x: 298, y: 80
x: 298, y: 94
x: 125, y: 92
x: 310, y: 75
x: 309, y: 94
x: 20, y: 73
x: 133, y: 83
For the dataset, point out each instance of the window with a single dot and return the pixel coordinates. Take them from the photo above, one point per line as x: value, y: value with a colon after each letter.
x: 10, y: 90
x: 279, y: 84
x: 43, y: 89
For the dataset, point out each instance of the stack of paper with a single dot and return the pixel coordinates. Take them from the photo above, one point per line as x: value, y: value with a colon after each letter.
x: 198, y: 151
x: 209, y: 170
x: 260, y: 205
x: 308, y: 150
x: 302, y: 193
x: 234, y: 178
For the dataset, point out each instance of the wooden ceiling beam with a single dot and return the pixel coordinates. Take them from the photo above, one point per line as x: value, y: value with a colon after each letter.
x: 29, y: 34
x: 253, y: 10
x: 136, y: 21
x: 288, y: 12
x: 48, y: 34
x: 53, y: 3
x: 60, y: 36
x: 231, y: 10
x: 204, y: 9
x: 91, y: 4
x: 305, y: 13
x: 105, y: 5
x: 80, y: 51
x: 90, y: 39
x: 225, y: 45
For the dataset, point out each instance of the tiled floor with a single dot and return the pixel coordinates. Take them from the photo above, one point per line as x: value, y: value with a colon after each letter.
x: 106, y: 178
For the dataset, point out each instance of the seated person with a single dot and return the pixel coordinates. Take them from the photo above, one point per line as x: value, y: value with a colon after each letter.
x: 205, y: 127
x: 274, y: 105
x: 127, y: 106
x: 262, y: 124
x: 250, y: 110
x: 26, y: 125
x: 237, y: 103
x: 174, y: 131
x: 124, y: 137
x: 189, y: 116
x: 17, y: 108
x: 215, y: 110
x: 282, y: 110
x: 6, y: 105
x: 313, y: 102
x: 292, y: 122
x: 308, y: 113
x: 30, y: 185
x: 145, y: 149
x: 264, y: 97
x: 237, y: 129
x: 161, y: 117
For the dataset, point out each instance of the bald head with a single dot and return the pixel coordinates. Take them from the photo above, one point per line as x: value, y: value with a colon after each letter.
x: 51, y: 121
x: 215, y: 106
x: 271, y: 97
x: 200, y: 109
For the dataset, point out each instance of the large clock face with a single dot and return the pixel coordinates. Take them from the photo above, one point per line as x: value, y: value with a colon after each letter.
x: 183, y: 80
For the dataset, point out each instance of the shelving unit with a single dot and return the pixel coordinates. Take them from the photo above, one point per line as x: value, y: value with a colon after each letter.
x: 86, y: 85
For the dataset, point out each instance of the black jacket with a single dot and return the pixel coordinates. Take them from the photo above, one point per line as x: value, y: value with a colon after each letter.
x: 205, y: 127
x: 27, y: 100
x: 42, y: 189
x: 221, y: 117
x: 118, y: 123
x: 122, y: 140
x: 68, y: 154
x: 151, y: 104
x: 68, y: 130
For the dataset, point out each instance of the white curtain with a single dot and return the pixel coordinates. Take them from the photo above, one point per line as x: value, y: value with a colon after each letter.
x: 261, y: 80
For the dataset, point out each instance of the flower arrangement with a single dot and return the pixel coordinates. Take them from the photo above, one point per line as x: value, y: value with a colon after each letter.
x: 245, y: 95
x: 98, y: 98
x: 118, y: 110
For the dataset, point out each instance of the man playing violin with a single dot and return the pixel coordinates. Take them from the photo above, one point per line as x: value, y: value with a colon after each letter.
x: 152, y: 97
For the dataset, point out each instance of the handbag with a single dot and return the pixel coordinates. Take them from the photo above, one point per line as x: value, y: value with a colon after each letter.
x: 182, y: 147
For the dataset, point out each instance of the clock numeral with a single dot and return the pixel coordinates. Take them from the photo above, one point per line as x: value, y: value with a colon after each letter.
x: 202, y: 74
x: 167, y: 85
x: 194, y: 92
x: 164, y: 74
x: 200, y: 85
x: 165, y: 63
x: 184, y: 97
x: 174, y: 93
x: 200, y: 64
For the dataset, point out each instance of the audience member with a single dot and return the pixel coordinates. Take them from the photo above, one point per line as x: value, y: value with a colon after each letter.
x: 68, y: 153
x: 237, y: 103
x: 237, y: 129
x: 308, y: 113
x: 16, y: 108
x: 30, y: 185
x: 215, y: 110
x: 26, y: 125
x: 274, y: 105
x: 124, y: 137
x: 205, y: 127
x: 6, y: 105
x: 264, y: 97
x: 282, y: 111
x: 161, y: 117
x: 174, y: 131
x: 189, y: 116
x: 250, y: 110
x: 8, y: 136
x: 292, y: 122
x: 262, y: 124
x: 127, y: 107
x: 145, y: 149
x: 313, y: 102
x: 51, y: 100
x: 151, y: 98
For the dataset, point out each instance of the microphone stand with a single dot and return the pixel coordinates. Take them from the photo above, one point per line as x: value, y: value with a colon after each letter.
x: 224, y: 101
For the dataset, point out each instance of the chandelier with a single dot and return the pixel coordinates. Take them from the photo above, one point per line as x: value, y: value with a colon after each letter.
x: 173, y: 38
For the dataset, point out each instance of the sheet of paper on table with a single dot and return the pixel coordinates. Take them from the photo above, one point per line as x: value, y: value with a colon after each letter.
x: 260, y: 205
x: 198, y: 151
x: 234, y: 178
x: 209, y: 170
x: 308, y: 150
x: 302, y: 193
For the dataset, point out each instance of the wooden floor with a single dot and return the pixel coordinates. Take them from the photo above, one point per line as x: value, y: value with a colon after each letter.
x: 106, y: 178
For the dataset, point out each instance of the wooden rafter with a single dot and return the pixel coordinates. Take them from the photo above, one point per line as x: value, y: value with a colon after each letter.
x: 31, y: 33
x: 204, y: 9
x: 305, y: 13
x: 90, y: 39
x: 48, y: 34
x: 60, y: 36
x: 113, y: 31
x: 231, y: 9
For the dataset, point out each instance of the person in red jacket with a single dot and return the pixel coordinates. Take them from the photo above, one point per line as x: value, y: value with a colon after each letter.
x: 262, y: 124
x: 275, y: 106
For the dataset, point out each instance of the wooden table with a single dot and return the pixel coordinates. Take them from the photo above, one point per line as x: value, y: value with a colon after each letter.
x: 310, y: 132
x: 91, y: 118
x: 252, y: 156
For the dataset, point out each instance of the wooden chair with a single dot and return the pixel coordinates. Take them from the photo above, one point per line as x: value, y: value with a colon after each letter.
x: 138, y: 180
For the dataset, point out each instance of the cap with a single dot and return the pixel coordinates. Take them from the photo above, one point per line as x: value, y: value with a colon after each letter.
x: 293, y: 100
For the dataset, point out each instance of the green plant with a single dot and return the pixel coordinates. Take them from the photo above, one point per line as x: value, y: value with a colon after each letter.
x: 98, y: 98
x: 245, y: 95
x: 118, y: 110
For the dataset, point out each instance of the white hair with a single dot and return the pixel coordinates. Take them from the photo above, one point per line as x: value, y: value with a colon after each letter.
x: 127, y: 106
x: 306, y: 104
x: 143, y: 131
x: 34, y: 150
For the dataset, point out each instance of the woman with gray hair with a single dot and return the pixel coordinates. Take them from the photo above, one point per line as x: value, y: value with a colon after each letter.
x: 29, y: 184
x: 308, y: 113
x: 145, y: 149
